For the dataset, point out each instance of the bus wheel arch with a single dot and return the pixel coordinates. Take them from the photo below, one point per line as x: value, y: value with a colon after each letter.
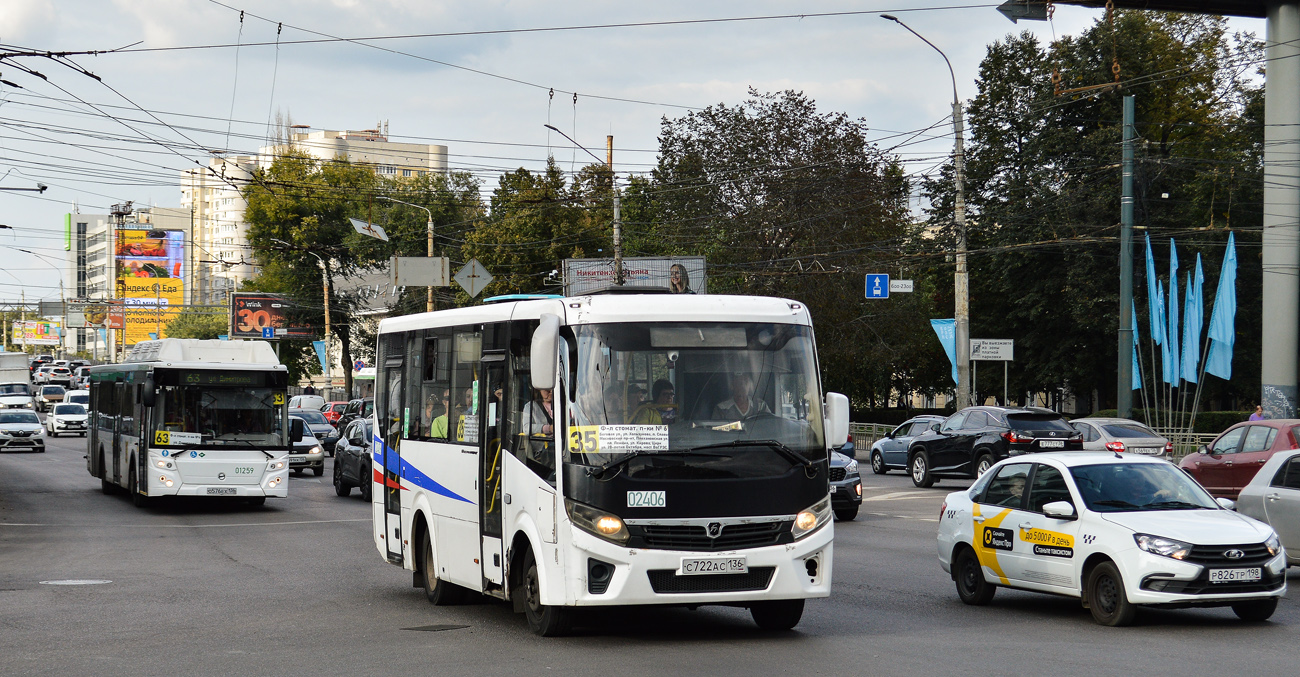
x: 436, y: 590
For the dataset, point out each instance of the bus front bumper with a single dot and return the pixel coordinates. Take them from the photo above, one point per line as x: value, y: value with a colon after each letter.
x: 799, y: 570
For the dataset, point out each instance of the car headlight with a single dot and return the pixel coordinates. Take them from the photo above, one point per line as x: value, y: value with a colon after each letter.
x: 1166, y: 547
x: 1273, y: 544
x: 851, y: 468
x: 811, y: 519
x: 597, y: 522
x: 39, y: 432
x: 315, y: 450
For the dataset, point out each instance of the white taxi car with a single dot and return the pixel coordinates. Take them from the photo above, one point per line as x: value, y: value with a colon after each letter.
x: 1117, y: 531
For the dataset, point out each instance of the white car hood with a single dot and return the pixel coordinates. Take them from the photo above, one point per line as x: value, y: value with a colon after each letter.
x: 15, y: 399
x: 1200, y: 527
x: 69, y: 418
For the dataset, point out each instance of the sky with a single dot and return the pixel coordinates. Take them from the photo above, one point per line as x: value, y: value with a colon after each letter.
x: 484, y: 93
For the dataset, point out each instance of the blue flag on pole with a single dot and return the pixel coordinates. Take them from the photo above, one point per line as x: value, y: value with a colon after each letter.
x: 1153, y: 295
x: 1172, y: 338
x: 1223, y: 332
x: 320, y: 355
x: 946, y: 330
x: 1166, y: 375
x: 1137, y: 371
x: 1193, y: 319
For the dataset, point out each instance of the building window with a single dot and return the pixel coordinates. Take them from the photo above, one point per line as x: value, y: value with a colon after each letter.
x: 406, y: 172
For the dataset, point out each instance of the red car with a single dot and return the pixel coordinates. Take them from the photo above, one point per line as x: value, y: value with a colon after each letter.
x: 1226, y: 465
x: 333, y: 410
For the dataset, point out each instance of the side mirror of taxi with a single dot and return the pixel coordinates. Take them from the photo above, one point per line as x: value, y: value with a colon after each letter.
x: 1061, y: 510
x: 1203, y: 449
x: 1226, y: 503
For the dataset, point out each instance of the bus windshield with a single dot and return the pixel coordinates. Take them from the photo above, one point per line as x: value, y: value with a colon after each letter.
x: 232, y: 415
x: 728, y: 394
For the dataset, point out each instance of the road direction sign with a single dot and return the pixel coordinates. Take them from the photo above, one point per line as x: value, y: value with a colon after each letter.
x: 268, y: 332
x: 1024, y: 9
x: 900, y: 286
x: 473, y: 278
x: 877, y: 286
x: 993, y: 350
x: 370, y: 229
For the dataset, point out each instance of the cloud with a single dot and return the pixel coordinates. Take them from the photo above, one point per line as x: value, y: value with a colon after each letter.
x: 28, y: 22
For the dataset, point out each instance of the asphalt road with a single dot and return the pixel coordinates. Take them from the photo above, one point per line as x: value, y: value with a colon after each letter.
x: 297, y: 587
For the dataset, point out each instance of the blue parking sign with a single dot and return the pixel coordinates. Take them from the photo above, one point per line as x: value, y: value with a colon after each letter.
x: 877, y: 286
x: 268, y: 332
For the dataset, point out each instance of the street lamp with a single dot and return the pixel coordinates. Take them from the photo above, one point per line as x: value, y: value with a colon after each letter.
x: 428, y: 304
x: 618, y: 226
x: 325, y: 283
x: 961, y: 278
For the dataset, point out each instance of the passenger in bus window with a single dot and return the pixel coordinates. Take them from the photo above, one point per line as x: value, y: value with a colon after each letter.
x: 659, y: 411
x: 541, y: 413
x: 438, y: 424
x: 742, y: 404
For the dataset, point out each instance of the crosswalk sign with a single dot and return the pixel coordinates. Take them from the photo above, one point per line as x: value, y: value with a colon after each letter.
x: 877, y: 286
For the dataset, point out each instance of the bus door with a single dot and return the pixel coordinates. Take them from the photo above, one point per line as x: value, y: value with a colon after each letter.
x: 492, y: 404
x: 119, y: 423
x: 391, y: 434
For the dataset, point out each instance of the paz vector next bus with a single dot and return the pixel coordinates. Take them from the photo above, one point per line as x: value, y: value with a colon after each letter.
x: 612, y: 449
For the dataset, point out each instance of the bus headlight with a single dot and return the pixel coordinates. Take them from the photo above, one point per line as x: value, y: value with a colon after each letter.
x: 274, y: 482
x: 597, y: 522
x: 165, y: 480
x: 275, y: 465
x: 161, y: 463
x: 810, y: 519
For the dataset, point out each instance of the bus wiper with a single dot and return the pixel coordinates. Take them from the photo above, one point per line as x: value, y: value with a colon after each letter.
x: 249, y: 445
x: 600, y: 469
x: 790, y: 454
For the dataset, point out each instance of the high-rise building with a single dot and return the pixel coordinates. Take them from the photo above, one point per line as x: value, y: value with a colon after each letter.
x: 223, y: 257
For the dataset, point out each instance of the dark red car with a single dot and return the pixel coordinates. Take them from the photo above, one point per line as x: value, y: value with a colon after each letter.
x: 333, y: 410
x: 1228, y: 463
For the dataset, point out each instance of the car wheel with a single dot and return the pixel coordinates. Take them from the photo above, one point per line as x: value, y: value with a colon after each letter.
x: 1106, y: 597
x: 543, y: 620
x: 972, y: 588
x: 920, y: 466
x: 53, y: 434
x: 366, y: 482
x: 878, y: 463
x: 846, y: 514
x: 436, y: 590
x: 319, y: 470
x: 1256, y: 611
x: 781, y: 614
x: 341, y: 487
x: 983, y: 464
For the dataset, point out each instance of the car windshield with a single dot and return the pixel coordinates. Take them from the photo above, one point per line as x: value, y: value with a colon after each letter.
x: 1130, y: 487
x: 310, y: 416
x: 19, y: 417
x: 1038, y: 422
x: 215, y: 415
x: 52, y: 390
x: 15, y: 389
x: 77, y: 398
x: 1128, y: 430
x: 678, y: 387
x: 70, y: 409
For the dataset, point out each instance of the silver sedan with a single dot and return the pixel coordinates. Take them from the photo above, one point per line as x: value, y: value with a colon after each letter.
x: 1273, y: 496
x: 1121, y: 434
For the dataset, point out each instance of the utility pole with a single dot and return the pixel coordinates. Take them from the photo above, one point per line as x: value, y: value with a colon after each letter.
x: 329, y: 364
x: 1124, y: 395
x: 618, y: 221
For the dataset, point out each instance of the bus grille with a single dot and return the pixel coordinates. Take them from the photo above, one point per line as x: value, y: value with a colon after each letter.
x: 667, y: 581
x: 694, y: 537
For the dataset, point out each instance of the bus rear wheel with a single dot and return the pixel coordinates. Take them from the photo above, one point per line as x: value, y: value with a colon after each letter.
x: 781, y: 614
x: 438, y: 591
x: 543, y: 620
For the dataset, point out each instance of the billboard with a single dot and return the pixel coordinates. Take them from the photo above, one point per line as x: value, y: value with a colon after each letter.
x: 150, y: 271
x: 252, y: 313
x: 35, y: 333
x: 88, y: 314
x: 583, y: 276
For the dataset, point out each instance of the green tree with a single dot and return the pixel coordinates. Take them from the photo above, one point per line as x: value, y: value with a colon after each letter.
x: 199, y: 323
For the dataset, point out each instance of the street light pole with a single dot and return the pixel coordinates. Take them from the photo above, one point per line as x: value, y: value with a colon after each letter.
x: 961, y: 278
x: 618, y: 226
x: 428, y: 303
x: 325, y: 284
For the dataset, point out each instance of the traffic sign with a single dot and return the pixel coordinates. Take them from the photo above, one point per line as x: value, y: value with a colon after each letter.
x: 473, y: 278
x: 877, y: 286
x: 900, y: 286
x: 993, y: 350
x: 268, y: 332
x: 358, y: 365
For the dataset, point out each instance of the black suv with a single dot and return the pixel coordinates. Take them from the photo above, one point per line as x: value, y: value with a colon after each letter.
x: 971, y: 440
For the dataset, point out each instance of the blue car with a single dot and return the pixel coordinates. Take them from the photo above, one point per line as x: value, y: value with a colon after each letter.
x: 890, y: 451
x: 846, y: 487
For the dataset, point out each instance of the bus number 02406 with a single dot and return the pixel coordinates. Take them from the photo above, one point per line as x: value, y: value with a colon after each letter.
x: 646, y: 499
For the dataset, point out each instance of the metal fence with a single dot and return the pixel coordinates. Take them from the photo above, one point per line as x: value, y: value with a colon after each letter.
x: 866, y: 434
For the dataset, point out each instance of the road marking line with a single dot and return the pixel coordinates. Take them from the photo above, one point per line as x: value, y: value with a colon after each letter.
x: 180, y: 526
x: 901, y: 496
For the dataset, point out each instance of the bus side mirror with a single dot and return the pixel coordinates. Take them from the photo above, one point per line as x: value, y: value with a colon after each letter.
x: 837, y: 420
x: 295, y: 430
x: 542, y: 357
x: 147, y: 397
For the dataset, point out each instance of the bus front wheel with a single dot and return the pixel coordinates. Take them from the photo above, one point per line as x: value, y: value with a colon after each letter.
x: 543, y: 620
x: 438, y: 591
x: 781, y: 614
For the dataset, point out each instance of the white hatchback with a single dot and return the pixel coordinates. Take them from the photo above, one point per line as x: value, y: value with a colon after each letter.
x: 66, y: 418
x: 1117, y: 531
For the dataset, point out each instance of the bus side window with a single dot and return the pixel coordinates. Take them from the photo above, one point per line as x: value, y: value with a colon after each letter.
x: 435, y: 388
x: 415, y: 422
x: 467, y: 349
